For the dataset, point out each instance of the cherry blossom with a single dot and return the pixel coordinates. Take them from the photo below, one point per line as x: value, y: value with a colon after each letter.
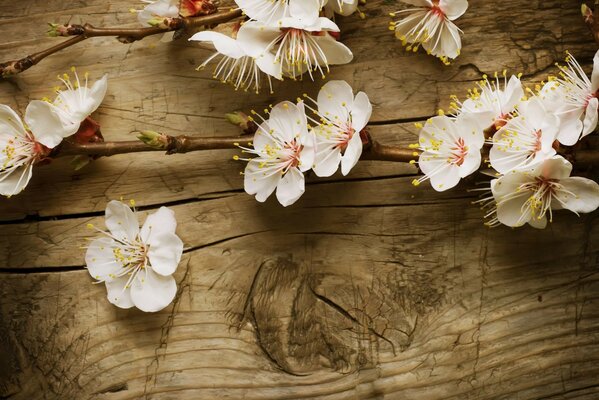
x: 526, y: 139
x: 72, y: 105
x: 156, y: 11
x: 236, y: 67
x: 573, y: 97
x: 300, y: 43
x: 136, y: 265
x: 450, y: 150
x: 20, y: 148
x: 431, y: 25
x: 272, y: 12
x: 531, y: 195
x: 492, y: 102
x: 342, y: 119
x: 284, y: 150
x: 341, y: 7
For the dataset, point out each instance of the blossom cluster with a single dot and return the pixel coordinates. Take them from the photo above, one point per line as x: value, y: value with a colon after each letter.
x: 47, y: 123
x: 318, y: 135
x: 524, y: 129
x: 281, y: 39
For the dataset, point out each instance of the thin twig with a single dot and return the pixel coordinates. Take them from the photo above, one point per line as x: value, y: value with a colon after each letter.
x: 588, y: 14
x: 124, y: 35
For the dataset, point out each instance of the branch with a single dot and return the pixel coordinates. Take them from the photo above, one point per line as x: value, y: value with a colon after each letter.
x: 590, y: 20
x: 124, y: 35
x: 185, y: 144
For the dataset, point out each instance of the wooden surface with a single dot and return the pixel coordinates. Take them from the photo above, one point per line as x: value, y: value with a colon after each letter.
x: 367, y: 288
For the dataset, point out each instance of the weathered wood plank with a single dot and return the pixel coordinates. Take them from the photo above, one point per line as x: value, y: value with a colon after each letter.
x: 367, y: 288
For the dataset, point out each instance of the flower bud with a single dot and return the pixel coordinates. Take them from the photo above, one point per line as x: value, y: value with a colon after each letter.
x: 193, y: 8
x: 247, y: 125
x: 153, y: 139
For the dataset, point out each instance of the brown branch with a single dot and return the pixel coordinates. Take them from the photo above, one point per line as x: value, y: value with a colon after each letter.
x: 171, y: 145
x: 185, y: 144
x: 124, y: 35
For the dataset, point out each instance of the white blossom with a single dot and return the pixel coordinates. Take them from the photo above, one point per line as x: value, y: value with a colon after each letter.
x: 72, y: 105
x: 21, y: 147
x: 235, y: 66
x: 492, y: 102
x: 156, y: 11
x: 451, y: 150
x: 341, y: 119
x: 272, y: 12
x: 430, y: 25
x: 530, y: 196
x: 284, y: 150
x: 573, y: 97
x: 341, y: 7
x: 300, y: 43
x: 526, y: 139
x: 136, y: 265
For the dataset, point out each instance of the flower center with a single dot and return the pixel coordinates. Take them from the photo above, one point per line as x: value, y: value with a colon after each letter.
x: 347, y: 136
x: 291, y: 154
x: 538, y: 145
x: 436, y: 10
x: 459, y: 152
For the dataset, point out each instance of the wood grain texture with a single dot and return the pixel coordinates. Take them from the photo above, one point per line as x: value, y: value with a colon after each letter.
x: 367, y: 288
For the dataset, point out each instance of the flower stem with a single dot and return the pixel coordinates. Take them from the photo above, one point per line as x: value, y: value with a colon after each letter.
x: 124, y: 35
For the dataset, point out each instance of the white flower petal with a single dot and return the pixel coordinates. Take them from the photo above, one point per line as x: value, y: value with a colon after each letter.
x: 590, y: 118
x: 165, y: 253
x: 512, y: 94
x: 291, y: 187
x: 443, y: 175
x: 223, y: 43
x: 352, y: 154
x: 585, y: 198
x: 335, y: 100
x: 100, y: 260
x: 570, y: 128
x: 556, y: 167
x: 595, y: 74
x: 118, y: 294
x: 14, y: 182
x: 267, y: 64
x: 327, y: 160
x: 336, y: 52
x: 453, y: 9
x: 46, y: 125
x: 161, y: 221
x: 10, y: 123
x: 538, y: 223
x: 121, y: 221
x: 288, y: 120
x: 151, y: 292
x: 259, y: 182
x: 361, y: 112
x: 511, y: 211
x: 304, y: 11
x: 254, y: 38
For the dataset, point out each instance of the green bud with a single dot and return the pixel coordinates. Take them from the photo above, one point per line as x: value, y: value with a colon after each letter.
x: 237, y: 118
x: 53, y: 29
x: 153, y: 139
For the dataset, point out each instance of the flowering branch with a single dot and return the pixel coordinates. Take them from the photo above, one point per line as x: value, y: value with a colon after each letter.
x: 124, y: 35
x: 153, y: 141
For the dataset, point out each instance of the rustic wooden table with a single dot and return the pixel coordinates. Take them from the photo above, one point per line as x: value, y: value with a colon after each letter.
x: 367, y: 288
